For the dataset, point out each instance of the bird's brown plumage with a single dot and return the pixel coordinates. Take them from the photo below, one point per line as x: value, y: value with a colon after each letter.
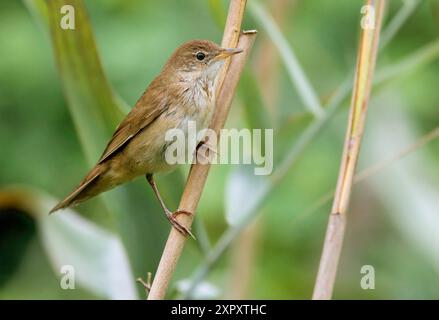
x: 150, y: 106
x: 146, y: 110
x: 182, y: 91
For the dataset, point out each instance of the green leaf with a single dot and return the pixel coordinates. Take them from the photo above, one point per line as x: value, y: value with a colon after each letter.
x: 96, y: 110
x: 97, y: 256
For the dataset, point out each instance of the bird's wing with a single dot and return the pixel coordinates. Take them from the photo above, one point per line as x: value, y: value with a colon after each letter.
x: 148, y: 108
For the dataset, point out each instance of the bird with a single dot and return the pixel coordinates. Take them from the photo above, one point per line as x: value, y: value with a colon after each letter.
x: 184, y: 90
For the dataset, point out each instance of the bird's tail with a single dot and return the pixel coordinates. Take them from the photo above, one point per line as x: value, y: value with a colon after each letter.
x: 86, y: 189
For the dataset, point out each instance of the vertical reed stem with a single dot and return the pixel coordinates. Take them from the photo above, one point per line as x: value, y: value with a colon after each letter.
x: 228, y: 81
x: 360, y: 98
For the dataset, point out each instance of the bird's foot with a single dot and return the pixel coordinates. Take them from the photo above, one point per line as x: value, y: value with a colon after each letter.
x: 172, y: 217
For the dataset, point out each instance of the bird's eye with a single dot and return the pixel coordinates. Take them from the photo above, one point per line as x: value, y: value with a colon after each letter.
x: 201, y: 56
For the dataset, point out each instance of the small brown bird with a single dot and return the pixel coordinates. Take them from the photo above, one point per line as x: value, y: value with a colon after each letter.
x: 184, y: 91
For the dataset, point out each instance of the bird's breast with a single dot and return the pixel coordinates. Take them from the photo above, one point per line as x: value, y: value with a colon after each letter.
x: 199, y: 102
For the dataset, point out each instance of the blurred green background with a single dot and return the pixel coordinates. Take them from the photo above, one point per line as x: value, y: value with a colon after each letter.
x: 393, y: 218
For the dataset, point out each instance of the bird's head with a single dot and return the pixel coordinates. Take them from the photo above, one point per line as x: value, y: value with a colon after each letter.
x: 199, y: 58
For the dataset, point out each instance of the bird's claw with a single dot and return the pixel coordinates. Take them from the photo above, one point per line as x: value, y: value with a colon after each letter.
x: 172, y: 217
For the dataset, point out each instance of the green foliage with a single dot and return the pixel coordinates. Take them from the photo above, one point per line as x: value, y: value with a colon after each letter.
x: 54, y: 123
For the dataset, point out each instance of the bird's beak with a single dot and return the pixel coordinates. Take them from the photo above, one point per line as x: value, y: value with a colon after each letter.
x: 225, y: 53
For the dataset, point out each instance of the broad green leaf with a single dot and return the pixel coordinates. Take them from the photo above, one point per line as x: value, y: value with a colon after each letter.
x: 96, y: 110
x: 97, y: 256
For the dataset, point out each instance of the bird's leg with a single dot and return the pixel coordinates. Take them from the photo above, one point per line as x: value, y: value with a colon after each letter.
x: 171, y: 216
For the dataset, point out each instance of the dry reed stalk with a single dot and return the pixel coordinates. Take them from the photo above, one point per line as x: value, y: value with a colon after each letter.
x: 373, y: 170
x: 198, y: 174
x: 360, y: 97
